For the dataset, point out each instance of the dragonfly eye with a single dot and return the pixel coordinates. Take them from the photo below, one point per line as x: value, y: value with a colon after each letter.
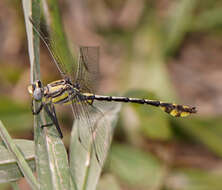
x: 37, y: 94
x: 37, y: 90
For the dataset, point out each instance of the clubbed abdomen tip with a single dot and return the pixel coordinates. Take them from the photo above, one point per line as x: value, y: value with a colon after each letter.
x: 178, y: 110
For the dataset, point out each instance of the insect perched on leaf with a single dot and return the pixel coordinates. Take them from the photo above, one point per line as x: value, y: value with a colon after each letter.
x: 77, y: 89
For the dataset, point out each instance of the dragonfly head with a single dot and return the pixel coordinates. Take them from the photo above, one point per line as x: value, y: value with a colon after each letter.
x: 36, y: 90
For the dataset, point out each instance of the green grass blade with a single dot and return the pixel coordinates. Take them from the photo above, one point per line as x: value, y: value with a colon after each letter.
x: 205, y: 131
x: 53, y: 160
x: 23, y: 165
x: 9, y: 170
x: 84, y: 166
x: 58, y: 39
x: 141, y: 170
x: 32, y: 9
x: 51, y: 157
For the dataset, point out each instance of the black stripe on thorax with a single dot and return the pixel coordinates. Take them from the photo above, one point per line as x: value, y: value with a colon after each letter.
x: 56, y: 83
x: 63, y: 101
x: 55, y: 94
x: 60, y: 91
x: 74, y: 97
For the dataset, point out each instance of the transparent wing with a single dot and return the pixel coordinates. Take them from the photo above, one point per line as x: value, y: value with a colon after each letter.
x: 85, y: 167
x: 85, y: 74
x: 88, y: 69
x: 94, y: 130
x: 57, y: 47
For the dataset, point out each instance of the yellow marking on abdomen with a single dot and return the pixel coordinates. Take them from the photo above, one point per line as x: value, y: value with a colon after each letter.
x: 174, y: 113
x: 184, y: 114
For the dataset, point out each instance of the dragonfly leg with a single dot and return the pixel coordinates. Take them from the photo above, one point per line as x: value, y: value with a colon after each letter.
x: 37, y: 110
x: 50, y: 110
x: 46, y: 125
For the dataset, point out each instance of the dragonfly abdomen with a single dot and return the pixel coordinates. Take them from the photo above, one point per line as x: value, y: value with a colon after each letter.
x: 172, y: 109
x: 177, y: 110
x: 127, y: 99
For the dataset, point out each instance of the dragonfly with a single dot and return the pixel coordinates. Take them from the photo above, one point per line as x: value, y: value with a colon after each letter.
x: 77, y: 88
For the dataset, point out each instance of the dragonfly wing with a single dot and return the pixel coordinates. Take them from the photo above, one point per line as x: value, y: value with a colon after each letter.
x: 54, y: 43
x: 87, y: 74
x: 81, y: 118
x: 94, y: 130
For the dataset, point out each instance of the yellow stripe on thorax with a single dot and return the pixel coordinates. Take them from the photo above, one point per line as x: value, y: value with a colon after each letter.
x: 60, y: 97
x: 53, y: 89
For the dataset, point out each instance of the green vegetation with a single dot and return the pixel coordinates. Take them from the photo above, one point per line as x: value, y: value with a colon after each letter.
x: 161, y: 50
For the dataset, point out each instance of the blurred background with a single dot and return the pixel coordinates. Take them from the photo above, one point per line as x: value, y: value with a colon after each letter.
x: 158, y: 49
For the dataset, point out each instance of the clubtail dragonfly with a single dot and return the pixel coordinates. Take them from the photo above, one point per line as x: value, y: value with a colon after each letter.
x: 76, y: 89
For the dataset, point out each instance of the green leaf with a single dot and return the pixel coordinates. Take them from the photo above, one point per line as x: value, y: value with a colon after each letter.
x: 51, y: 157
x: 18, y: 155
x: 9, y: 170
x: 84, y: 166
x: 206, y: 131
x: 58, y: 39
x: 136, y: 168
x: 32, y: 9
x: 53, y: 163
